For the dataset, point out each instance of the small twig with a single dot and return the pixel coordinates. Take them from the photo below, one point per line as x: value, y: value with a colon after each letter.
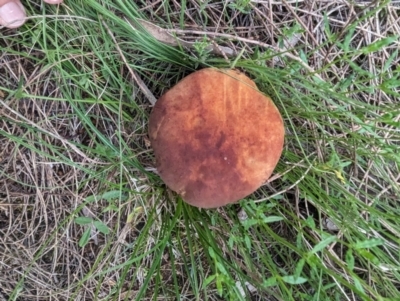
x: 134, y: 75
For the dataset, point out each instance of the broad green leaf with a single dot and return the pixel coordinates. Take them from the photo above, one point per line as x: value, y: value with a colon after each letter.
x: 299, y: 240
x: 112, y: 195
x: 347, y: 39
x: 111, y: 207
x: 299, y: 267
x: 231, y: 241
x: 211, y: 252
x: 303, y: 56
x: 350, y: 259
x: 249, y: 222
x: 378, y: 45
x: 358, y: 284
x: 369, y: 256
x: 85, y: 238
x: 389, y: 61
x: 208, y: 280
x: 83, y: 220
x: 327, y: 28
x: 294, y: 280
x: 310, y: 222
x: 90, y: 199
x: 108, y: 196
x: 101, y: 227
x: 271, y: 281
x: 219, y: 285
x: 247, y: 241
x: 272, y: 219
x: 322, y: 244
x: 369, y: 243
x: 221, y: 268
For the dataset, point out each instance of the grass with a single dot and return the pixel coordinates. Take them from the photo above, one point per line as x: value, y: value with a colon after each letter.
x: 83, y: 215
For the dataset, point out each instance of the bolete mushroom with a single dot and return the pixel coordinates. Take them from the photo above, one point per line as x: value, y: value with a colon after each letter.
x: 216, y: 137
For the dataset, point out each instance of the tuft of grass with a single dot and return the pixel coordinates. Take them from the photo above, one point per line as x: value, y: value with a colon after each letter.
x: 83, y: 213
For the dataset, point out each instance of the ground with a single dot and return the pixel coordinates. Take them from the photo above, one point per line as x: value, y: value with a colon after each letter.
x: 83, y: 213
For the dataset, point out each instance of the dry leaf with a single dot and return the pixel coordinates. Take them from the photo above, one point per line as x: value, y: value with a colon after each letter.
x: 160, y: 34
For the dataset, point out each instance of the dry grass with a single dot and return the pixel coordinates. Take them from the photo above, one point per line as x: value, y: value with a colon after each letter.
x: 62, y: 143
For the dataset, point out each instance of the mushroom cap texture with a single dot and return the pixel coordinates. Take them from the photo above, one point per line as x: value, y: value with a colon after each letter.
x: 216, y: 138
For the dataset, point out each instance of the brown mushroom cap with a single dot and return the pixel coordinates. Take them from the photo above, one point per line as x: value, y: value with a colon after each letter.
x: 216, y: 138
